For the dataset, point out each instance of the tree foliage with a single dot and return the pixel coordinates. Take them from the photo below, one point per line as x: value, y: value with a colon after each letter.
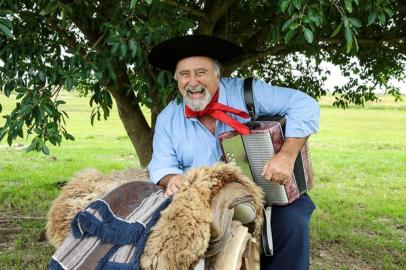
x: 99, y: 48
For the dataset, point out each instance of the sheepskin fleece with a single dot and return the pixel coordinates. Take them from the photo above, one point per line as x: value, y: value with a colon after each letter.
x: 182, y: 234
x: 76, y: 195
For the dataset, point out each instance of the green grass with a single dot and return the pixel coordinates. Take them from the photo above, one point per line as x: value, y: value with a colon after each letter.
x: 359, y: 160
x: 29, y: 181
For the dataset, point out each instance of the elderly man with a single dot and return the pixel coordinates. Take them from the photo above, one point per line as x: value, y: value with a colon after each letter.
x: 186, y: 134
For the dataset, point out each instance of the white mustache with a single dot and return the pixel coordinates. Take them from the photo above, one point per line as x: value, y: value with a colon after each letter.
x: 195, y: 89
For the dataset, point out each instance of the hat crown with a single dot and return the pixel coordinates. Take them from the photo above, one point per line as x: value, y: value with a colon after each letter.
x: 168, y: 53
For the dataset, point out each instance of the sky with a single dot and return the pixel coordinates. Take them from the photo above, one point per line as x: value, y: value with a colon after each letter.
x: 337, y: 79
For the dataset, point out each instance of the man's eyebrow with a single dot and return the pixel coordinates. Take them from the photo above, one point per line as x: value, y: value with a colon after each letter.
x: 201, y: 69
x: 184, y: 71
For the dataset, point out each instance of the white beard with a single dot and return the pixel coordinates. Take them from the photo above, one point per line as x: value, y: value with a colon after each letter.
x: 197, y: 104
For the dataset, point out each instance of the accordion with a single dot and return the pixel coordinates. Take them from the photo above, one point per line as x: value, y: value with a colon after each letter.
x: 251, y: 152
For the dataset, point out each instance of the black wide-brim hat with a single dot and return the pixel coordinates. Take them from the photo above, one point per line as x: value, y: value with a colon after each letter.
x: 168, y: 53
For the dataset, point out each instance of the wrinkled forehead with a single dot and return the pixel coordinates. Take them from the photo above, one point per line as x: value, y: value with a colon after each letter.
x: 195, y: 63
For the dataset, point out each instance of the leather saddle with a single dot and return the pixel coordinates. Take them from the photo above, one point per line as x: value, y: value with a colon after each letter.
x: 231, y: 245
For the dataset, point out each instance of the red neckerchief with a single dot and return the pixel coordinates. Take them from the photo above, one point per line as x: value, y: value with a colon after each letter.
x: 218, y: 111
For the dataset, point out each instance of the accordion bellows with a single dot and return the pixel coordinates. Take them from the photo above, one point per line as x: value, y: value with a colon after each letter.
x: 251, y: 152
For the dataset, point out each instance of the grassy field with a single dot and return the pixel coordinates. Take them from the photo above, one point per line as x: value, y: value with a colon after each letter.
x: 359, y: 159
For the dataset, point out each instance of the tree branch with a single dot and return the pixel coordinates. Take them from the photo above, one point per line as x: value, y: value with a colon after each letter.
x: 252, y: 57
x: 261, y: 35
x: 70, y: 39
x: 366, y: 41
x: 90, y: 35
x: 215, y: 11
x: 189, y: 10
x: 258, y: 38
x: 94, y: 46
x: 219, y: 9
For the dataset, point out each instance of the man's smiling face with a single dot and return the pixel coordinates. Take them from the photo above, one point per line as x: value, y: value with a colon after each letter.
x: 197, y: 81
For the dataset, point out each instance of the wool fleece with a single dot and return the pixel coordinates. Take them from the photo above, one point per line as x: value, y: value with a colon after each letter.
x: 182, y: 234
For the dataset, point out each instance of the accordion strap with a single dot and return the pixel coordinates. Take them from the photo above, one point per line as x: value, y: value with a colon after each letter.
x: 249, y: 97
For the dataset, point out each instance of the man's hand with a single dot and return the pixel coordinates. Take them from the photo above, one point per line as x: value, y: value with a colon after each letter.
x: 171, y: 183
x: 279, y: 169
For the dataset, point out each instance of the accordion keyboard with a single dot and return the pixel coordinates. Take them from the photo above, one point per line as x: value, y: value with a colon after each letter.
x: 259, y: 150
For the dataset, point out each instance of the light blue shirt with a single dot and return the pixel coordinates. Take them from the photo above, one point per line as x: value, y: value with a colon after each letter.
x: 181, y: 143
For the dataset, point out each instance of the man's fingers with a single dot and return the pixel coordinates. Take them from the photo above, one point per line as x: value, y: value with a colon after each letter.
x: 264, y: 170
x: 175, y: 189
x: 177, y: 185
x: 172, y: 188
x: 275, y: 176
x: 281, y: 178
x: 268, y: 171
x: 268, y: 174
x: 170, y: 191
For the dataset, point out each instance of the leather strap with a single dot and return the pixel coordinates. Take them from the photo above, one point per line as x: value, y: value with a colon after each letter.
x: 249, y: 97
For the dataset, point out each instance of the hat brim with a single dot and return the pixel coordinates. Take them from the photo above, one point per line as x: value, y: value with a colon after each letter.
x: 168, y: 53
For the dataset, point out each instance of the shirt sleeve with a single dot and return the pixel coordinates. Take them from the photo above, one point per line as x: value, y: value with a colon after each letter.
x: 302, y: 112
x: 164, y: 160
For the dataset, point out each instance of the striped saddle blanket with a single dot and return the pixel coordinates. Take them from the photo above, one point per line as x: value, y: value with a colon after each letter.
x: 112, y: 231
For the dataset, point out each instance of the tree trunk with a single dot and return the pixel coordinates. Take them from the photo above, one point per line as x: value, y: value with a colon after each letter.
x: 132, y: 117
x: 136, y: 126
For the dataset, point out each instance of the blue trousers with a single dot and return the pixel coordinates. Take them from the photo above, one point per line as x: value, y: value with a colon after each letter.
x: 290, y: 232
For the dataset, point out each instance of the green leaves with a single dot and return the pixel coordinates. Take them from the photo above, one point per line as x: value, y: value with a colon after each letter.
x: 308, y: 34
x: 348, y: 5
x: 40, y: 114
x: 123, y: 43
x: 380, y: 12
x: 297, y: 4
x: 102, y: 99
x: 133, y: 3
x: 337, y: 30
x: 50, y: 8
x: 6, y: 30
x: 41, y: 75
x: 350, y: 23
x: 350, y: 32
x: 5, y: 23
x: 348, y: 37
x: 45, y: 149
x: 371, y: 18
x: 285, y: 5
x: 304, y: 19
x: 354, y: 22
x: 289, y: 36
